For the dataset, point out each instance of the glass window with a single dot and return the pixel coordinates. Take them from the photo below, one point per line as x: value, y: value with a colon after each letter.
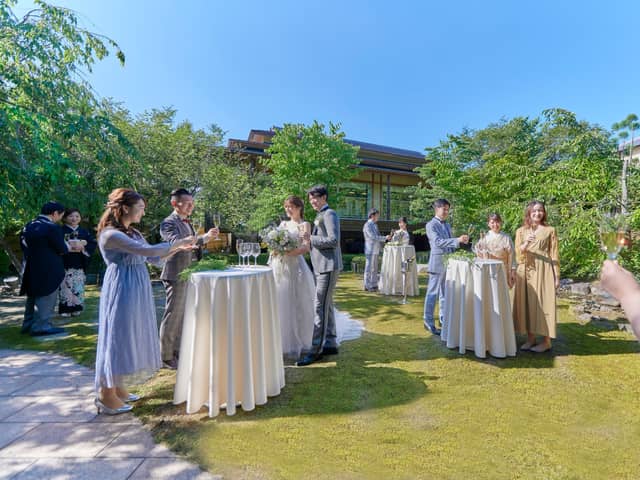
x: 400, y: 201
x: 354, y: 200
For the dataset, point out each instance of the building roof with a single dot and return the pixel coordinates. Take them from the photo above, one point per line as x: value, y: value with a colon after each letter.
x: 623, y: 145
x: 372, y: 147
x: 371, y: 155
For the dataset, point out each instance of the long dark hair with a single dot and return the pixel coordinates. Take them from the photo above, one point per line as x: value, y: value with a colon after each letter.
x: 529, y: 209
x: 112, y: 216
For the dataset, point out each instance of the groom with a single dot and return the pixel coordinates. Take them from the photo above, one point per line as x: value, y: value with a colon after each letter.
x: 326, y: 259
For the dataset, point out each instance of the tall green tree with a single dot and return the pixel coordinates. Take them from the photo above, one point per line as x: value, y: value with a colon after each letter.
x: 625, y: 129
x: 52, y: 128
x: 569, y: 164
x: 301, y: 156
x: 169, y: 155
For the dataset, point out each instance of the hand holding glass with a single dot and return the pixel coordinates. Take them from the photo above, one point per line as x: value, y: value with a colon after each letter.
x: 612, y: 234
x: 215, y: 218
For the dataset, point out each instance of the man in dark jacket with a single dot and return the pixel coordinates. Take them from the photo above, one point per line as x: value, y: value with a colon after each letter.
x: 43, y: 245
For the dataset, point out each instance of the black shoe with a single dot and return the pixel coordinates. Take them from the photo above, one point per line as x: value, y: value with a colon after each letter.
x: 329, y: 351
x: 432, y: 329
x: 308, y: 360
x: 170, y: 364
x: 48, y: 331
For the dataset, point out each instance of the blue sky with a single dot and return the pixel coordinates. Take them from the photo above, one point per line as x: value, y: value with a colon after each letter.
x: 397, y: 73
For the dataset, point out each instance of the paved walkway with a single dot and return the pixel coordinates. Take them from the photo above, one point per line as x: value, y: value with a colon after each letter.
x: 49, y: 428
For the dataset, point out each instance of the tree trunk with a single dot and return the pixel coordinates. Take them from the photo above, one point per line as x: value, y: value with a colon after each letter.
x: 15, y: 261
x: 625, y: 168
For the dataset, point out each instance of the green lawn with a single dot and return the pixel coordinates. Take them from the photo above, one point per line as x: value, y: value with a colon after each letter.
x: 398, y: 404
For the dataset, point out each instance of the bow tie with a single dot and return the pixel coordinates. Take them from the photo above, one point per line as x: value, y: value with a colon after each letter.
x: 186, y: 220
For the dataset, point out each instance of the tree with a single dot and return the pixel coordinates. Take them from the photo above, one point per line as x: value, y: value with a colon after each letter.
x: 626, y: 128
x: 556, y: 158
x: 52, y: 128
x: 168, y: 156
x: 301, y: 156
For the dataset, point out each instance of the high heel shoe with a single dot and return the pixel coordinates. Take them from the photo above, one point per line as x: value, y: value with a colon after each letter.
x: 132, y: 398
x: 102, y: 408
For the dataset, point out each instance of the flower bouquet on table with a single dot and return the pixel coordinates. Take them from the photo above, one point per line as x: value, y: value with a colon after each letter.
x: 279, y: 240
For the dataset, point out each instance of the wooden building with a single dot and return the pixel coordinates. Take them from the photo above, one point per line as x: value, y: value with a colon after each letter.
x: 383, y: 175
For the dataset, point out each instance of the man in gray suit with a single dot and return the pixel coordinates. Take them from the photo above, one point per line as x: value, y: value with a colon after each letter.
x: 441, y: 241
x: 326, y: 259
x: 372, y: 244
x: 172, y: 228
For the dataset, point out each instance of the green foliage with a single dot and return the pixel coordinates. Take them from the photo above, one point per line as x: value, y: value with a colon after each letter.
x: 208, y: 263
x: 359, y: 260
x: 461, y: 255
x: 302, y: 156
x: 168, y: 156
x: 55, y: 138
x: 569, y: 164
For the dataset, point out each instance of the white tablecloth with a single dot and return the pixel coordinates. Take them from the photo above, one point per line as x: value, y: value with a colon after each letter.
x: 390, y: 282
x: 231, y: 350
x: 477, y: 312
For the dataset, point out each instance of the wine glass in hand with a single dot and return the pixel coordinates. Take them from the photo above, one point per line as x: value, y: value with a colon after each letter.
x: 612, y: 234
x: 215, y: 218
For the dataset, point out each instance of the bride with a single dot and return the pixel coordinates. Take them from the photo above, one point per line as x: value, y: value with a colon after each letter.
x: 296, y: 291
x: 295, y: 288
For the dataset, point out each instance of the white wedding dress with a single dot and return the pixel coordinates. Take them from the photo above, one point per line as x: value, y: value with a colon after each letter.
x: 295, y: 293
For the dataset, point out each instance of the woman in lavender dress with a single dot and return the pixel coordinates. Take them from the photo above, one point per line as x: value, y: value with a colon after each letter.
x: 128, y: 350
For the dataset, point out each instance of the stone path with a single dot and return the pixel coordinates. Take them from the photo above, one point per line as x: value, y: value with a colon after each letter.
x: 49, y: 427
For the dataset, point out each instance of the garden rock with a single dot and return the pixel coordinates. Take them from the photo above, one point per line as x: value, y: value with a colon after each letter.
x: 580, y: 288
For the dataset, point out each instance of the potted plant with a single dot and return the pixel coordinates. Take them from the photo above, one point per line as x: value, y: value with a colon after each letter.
x: 357, y: 263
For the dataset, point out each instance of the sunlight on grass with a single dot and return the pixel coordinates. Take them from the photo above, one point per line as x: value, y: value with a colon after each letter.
x: 397, y: 403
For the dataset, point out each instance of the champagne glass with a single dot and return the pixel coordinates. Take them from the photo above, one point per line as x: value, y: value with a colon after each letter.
x: 255, y: 251
x: 215, y: 218
x: 471, y: 229
x: 245, y: 250
x: 239, y: 243
x: 612, y: 234
x: 480, y: 248
x: 197, y: 225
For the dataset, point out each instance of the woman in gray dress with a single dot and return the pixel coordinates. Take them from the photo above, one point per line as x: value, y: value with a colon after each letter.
x: 128, y: 349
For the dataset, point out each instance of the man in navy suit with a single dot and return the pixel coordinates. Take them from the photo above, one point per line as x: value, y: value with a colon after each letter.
x: 441, y: 242
x: 43, y: 245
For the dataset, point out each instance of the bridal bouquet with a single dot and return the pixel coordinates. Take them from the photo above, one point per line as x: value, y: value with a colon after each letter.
x: 279, y: 240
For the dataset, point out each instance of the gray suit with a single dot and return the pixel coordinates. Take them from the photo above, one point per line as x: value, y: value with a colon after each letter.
x: 441, y: 241
x: 326, y: 259
x: 174, y: 228
x: 372, y: 245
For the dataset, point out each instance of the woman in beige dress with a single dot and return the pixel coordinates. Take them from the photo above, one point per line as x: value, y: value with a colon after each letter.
x: 537, y: 278
x: 499, y: 246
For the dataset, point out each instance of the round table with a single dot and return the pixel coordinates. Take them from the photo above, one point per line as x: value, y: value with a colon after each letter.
x: 390, y: 282
x: 231, y: 347
x: 477, y: 310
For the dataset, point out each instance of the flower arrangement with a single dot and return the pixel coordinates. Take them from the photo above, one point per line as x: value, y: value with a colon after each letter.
x: 279, y: 240
x: 461, y: 255
x: 208, y: 263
